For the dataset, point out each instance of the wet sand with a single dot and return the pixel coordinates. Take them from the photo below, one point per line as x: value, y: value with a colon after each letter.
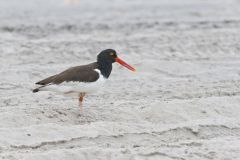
x: 182, y: 104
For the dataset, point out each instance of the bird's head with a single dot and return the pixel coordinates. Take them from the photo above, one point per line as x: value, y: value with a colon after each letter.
x: 110, y: 56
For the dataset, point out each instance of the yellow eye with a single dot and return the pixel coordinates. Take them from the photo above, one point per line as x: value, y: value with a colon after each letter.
x: 111, y: 54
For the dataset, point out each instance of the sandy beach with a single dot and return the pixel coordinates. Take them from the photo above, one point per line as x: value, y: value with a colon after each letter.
x: 183, y: 103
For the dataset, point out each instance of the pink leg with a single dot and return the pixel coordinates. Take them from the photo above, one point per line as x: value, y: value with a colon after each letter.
x: 81, y: 102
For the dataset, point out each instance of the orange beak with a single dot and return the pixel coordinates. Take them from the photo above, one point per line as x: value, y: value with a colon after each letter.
x: 125, y: 64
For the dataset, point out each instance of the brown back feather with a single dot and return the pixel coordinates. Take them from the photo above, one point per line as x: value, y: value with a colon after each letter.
x: 85, y: 73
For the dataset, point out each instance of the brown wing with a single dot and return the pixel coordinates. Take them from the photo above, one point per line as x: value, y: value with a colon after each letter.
x: 47, y: 80
x: 85, y: 73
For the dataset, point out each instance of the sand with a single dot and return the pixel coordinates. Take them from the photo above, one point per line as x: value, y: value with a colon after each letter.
x: 183, y: 103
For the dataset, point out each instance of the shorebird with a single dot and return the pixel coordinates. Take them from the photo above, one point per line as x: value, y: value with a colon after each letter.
x: 80, y: 80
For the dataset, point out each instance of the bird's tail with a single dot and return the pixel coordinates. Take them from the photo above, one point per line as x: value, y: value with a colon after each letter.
x: 35, y: 90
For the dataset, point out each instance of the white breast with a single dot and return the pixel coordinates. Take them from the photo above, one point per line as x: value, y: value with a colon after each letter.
x: 74, y: 88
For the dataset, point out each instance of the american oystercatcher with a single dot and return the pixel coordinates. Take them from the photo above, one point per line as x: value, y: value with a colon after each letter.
x: 80, y: 80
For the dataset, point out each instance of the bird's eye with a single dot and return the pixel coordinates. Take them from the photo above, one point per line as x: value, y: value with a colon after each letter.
x: 111, y: 54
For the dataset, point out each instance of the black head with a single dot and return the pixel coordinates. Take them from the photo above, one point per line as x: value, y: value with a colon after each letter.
x: 107, y: 56
x: 105, y: 60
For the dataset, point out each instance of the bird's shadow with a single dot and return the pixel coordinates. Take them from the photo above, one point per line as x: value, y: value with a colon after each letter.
x: 74, y: 116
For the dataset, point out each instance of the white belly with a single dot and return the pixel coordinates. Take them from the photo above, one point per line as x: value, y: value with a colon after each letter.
x: 74, y: 88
